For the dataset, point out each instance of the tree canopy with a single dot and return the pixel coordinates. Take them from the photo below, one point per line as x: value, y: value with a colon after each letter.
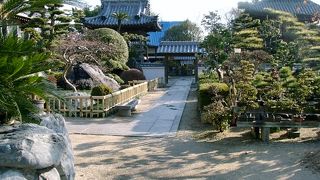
x: 186, y: 31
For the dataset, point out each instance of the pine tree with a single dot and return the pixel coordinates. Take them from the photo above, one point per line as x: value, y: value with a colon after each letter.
x: 299, y: 42
x: 51, y: 21
x: 245, y: 33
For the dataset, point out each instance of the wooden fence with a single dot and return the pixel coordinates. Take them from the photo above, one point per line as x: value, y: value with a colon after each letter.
x: 152, y: 84
x: 98, y: 106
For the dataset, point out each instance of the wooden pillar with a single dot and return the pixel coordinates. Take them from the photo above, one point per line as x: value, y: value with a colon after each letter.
x: 166, y: 69
x: 196, y: 76
x: 265, y: 133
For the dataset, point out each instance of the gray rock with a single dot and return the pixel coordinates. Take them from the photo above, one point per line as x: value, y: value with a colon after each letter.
x: 56, y: 122
x: 29, y: 146
x: 12, y: 174
x: 97, y: 76
x: 87, y: 76
x: 53, y: 174
x: 28, y: 174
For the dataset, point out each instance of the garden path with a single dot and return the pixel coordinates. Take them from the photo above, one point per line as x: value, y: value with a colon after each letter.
x: 188, y: 156
x: 158, y: 114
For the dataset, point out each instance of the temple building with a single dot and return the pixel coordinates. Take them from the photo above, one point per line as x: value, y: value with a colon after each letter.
x: 304, y: 10
x: 181, y: 58
x: 155, y: 38
x: 139, y: 20
x: 171, y: 58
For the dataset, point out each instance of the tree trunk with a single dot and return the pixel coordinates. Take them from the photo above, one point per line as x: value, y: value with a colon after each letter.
x: 119, y: 26
x: 4, y: 29
x: 65, y: 77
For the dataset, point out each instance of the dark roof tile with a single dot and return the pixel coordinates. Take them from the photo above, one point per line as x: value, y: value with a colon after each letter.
x: 137, y: 10
x: 179, y: 47
x: 155, y: 37
x: 296, y: 7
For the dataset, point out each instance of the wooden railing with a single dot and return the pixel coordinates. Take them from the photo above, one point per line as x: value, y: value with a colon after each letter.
x: 153, y: 84
x: 98, y: 106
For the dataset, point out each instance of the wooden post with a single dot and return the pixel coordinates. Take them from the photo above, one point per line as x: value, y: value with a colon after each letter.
x: 103, y: 107
x: 166, y: 69
x: 196, y: 76
x: 265, y: 132
x: 91, y: 107
x: 81, y: 107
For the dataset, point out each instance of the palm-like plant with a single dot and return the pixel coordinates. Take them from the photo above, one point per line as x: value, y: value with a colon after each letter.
x: 120, y: 16
x: 20, y: 63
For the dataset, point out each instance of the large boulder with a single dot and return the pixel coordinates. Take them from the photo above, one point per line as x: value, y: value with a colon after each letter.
x: 53, y: 174
x: 30, y: 151
x: 30, y: 146
x: 16, y: 174
x: 27, y: 174
x: 97, y: 75
x: 86, y: 76
x: 56, y: 122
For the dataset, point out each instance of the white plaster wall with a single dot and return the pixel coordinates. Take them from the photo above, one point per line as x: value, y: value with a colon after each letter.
x: 153, y: 72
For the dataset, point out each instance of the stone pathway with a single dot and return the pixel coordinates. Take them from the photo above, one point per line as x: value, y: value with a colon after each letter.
x: 158, y: 114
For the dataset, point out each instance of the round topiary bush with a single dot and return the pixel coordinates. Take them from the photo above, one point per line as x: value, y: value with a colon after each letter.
x: 101, y: 90
x: 132, y: 74
x: 119, y: 53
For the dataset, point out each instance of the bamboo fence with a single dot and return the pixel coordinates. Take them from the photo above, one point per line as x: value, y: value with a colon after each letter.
x: 98, y: 106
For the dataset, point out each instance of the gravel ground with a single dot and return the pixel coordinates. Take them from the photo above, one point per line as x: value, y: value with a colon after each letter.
x: 197, y: 153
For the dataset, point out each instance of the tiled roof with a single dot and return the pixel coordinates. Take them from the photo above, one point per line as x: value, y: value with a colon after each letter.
x: 137, y: 10
x: 179, y: 47
x: 154, y: 38
x: 296, y: 7
x: 184, y: 58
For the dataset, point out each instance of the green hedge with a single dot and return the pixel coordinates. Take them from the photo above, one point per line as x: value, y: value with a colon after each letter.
x: 208, y: 77
x: 206, y: 92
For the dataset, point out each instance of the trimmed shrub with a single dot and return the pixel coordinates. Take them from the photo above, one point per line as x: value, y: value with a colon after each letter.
x: 101, y: 90
x: 217, y: 114
x: 132, y: 74
x: 116, y: 77
x: 119, y: 53
x: 210, y: 77
x: 208, y: 91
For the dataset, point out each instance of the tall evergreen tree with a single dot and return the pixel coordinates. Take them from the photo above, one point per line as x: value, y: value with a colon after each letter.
x: 212, y: 22
x: 51, y: 21
x: 245, y: 33
x: 299, y: 42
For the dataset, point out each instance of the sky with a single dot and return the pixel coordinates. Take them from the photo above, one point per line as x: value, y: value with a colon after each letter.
x: 179, y: 10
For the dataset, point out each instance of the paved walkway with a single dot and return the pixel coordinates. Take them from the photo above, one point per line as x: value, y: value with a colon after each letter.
x: 158, y: 114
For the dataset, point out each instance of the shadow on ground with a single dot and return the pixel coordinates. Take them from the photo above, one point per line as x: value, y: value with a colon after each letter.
x: 182, y: 157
